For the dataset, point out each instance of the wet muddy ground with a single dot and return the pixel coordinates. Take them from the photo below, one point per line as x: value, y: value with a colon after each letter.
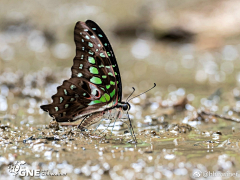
x: 187, y: 127
x: 171, y: 145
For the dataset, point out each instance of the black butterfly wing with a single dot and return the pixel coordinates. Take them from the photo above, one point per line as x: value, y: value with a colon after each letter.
x: 94, y: 82
x: 110, y: 53
x: 93, y: 62
x: 72, y: 99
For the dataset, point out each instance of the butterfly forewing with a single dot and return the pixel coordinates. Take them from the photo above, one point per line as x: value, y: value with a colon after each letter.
x: 92, y: 61
x: 103, y: 38
x: 95, y: 83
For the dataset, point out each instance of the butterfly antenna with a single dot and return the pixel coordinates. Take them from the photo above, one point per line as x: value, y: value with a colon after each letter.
x: 143, y: 92
x: 130, y: 94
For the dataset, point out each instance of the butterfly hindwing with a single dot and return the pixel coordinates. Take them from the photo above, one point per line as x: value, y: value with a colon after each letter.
x: 95, y: 82
x: 72, y: 99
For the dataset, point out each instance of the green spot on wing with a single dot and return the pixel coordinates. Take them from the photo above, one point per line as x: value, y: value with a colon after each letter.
x: 72, y: 99
x: 66, y: 106
x: 96, y: 80
x: 65, y: 91
x: 105, y: 98
x: 112, y: 93
x: 115, y: 73
x: 107, y: 86
x: 100, y: 35
x: 72, y: 87
x: 110, y: 74
x: 56, y: 108
x: 90, y: 52
x: 79, y: 75
x: 61, y: 99
x: 102, y: 99
x: 90, y: 44
x: 80, y: 66
x: 112, y: 83
x: 93, y: 70
x: 102, y: 55
x: 91, y: 60
x: 104, y: 76
x: 94, y: 102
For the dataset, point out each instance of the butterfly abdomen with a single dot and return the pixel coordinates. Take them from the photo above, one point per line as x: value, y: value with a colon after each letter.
x: 91, y: 119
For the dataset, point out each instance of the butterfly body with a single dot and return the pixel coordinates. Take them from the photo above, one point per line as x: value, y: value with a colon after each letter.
x: 95, y: 85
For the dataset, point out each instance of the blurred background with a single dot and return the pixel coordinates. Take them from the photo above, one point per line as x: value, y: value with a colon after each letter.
x: 191, y: 45
x: 189, y: 48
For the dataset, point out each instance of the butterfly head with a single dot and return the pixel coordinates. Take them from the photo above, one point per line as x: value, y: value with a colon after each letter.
x: 124, y: 105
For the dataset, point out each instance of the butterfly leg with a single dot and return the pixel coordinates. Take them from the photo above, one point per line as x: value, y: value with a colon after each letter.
x: 132, y: 131
x: 98, y: 125
x: 79, y: 126
x: 115, y: 122
x: 107, y: 126
x: 109, y: 114
x: 130, y: 127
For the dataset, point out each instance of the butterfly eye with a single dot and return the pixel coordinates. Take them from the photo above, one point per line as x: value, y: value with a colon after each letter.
x: 125, y: 107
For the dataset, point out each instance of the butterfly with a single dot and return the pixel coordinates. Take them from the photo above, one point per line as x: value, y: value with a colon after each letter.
x: 95, y: 86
